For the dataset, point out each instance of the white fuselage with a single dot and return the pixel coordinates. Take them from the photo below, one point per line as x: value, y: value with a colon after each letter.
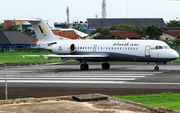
x: 117, y: 50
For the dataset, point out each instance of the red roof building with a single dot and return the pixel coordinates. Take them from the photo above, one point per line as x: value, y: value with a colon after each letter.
x: 171, y: 32
x: 70, y: 35
x: 125, y: 33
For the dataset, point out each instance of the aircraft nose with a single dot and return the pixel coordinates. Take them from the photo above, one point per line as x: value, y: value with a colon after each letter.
x: 175, y: 54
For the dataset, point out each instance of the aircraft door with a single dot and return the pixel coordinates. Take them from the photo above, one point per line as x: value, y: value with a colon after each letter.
x: 147, y: 51
x: 94, y: 48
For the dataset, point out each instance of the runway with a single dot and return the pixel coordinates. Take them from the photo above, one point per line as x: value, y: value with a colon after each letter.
x: 128, y: 78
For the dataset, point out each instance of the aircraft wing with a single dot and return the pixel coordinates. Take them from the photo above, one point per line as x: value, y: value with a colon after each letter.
x: 68, y: 56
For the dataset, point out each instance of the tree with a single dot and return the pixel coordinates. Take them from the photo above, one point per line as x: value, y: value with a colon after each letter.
x: 120, y: 37
x: 97, y: 30
x: 142, y: 31
x: 173, y: 23
x: 9, y: 28
x: 173, y: 43
x: 154, y: 31
x: 28, y: 31
x: 105, y: 34
x: 79, y: 28
x: 129, y: 27
x: 1, y: 26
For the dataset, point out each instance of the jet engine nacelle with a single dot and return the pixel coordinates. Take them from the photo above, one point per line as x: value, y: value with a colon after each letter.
x: 64, y: 48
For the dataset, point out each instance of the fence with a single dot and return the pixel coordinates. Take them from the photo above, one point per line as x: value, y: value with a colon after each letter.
x: 4, y: 50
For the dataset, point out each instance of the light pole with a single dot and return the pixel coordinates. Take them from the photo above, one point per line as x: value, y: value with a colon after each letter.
x: 5, y: 80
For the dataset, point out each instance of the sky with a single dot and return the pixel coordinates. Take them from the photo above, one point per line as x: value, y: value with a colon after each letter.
x: 80, y: 10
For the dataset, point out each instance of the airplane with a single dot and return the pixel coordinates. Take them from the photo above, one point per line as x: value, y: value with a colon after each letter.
x: 100, y: 50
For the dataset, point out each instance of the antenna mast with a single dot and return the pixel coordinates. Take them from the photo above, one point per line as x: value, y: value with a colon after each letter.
x: 104, y: 9
x: 67, y: 12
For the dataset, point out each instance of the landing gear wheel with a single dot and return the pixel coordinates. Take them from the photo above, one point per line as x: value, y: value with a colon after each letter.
x: 156, y: 68
x: 84, y: 66
x: 105, y: 65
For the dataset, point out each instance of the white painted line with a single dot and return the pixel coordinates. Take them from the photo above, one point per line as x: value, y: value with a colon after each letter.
x: 69, y: 78
x: 90, y: 82
x: 91, y: 76
x: 127, y: 72
x: 107, y: 74
x: 17, y: 71
x: 77, y: 82
x: 151, y: 83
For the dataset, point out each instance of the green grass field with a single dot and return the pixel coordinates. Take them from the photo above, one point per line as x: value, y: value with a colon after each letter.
x: 17, y: 58
x: 166, y: 100
x: 178, y: 58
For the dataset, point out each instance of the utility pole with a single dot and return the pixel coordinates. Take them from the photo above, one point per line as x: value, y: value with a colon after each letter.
x: 6, y: 95
x: 104, y: 9
x: 67, y: 12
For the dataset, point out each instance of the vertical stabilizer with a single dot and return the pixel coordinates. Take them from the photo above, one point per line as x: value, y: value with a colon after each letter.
x: 42, y: 30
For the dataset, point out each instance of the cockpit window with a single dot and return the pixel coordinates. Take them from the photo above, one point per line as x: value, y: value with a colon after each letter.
x: 159, y: 47
x: 166, y: 47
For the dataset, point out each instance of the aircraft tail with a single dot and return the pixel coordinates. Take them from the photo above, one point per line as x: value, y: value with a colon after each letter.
x: 41, y: 29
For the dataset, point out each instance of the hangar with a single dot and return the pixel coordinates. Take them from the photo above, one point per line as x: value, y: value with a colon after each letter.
x: 108, y: 22
x: 12, y: 39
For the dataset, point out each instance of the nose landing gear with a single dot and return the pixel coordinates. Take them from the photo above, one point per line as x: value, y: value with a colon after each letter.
x: 156, y: 68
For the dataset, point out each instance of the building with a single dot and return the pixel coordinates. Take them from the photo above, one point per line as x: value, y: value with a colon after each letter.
x: 125, y: 33
x: 171, y: 33
x: 12, y: 39
x: 138, y: 22
x: 66, y: 33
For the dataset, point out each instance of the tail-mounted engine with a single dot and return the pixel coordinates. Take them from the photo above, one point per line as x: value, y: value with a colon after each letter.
x: 64, y: 48
x: 72, y: 48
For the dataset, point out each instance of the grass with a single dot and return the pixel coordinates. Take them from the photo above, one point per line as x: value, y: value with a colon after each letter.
x: 178, y: 58
x: 17, y: 58
x: 167, y: 100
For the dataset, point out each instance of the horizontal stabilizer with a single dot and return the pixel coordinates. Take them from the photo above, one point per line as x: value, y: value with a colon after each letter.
x: 29, y: 20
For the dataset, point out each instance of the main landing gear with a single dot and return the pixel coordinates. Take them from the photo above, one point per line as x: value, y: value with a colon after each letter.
x: 86, y: 66
x: 105, y: 65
